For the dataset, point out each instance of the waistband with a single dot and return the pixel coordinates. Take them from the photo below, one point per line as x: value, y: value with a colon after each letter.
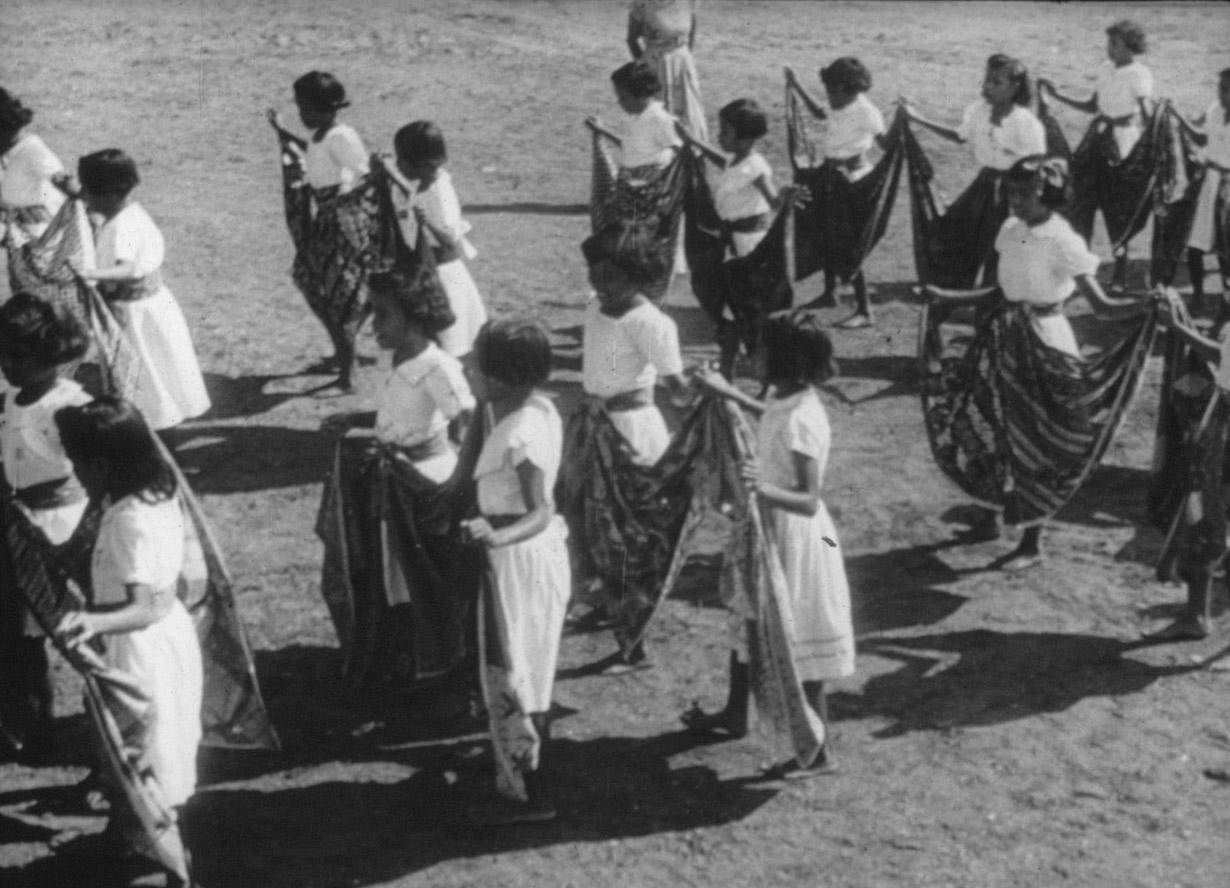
x: 747, y: 224
x: 51, y: 494
x: 1039, y: 310
x: 499, y: 522
x: 656, y: 40
x: 849, y: 164
x: 624, y: 401
x: 434, y: 446
x: 132, y: 291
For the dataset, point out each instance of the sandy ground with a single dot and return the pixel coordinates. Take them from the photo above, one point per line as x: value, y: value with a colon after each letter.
x: 1001, y: 731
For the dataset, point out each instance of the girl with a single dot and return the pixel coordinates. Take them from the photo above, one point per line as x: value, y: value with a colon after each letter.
x: 28, y: 198
x: 130, y: 249
x: 526, y: 545
x: 329, y: 268
x: 1042, y: 262
x: 663, y: 33
x: 1211, y: 221
x: 649, y: 140
x: 1001, y: 130
x: 854, y: 126
x: 146, y: 631
x: 1120, y: 101
x: 421, y: 157
x: 793, y: 443
x: 403, y: 623
x: 45, y: 498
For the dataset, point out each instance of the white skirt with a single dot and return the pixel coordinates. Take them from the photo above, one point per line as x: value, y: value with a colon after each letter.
x: 1056, y: 331
x: 533, y: 583
x: 819, y: 593
x: 1204, y: 229
x: 169, y: 386
x: 165, y: 660
x: 467, y: 306
x: 645, y: 431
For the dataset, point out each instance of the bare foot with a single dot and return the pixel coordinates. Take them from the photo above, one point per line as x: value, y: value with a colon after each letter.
x: 855, y: 322
x: 697, y: 721
x: 1021, y: 561
x: 1183, y: 629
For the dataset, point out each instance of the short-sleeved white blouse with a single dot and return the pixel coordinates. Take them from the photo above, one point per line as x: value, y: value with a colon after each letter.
x: 534, y: 432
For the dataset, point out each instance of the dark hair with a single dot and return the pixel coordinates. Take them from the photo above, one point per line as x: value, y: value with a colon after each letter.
x: 637, y: 79
x: 109, y: 171
x: 1017, y: 72
x: 515, y: 352
x: 113, y: 429
x: 846, y: 72
x: 1048, y: 173
x: 418, y: 295
x: 13, y: 114
x: 746, y: 118
x: 797, y: 349
x: 320, y: 91
x: 1223, y: 74
x: 420, y: 141
x: 639, y: 255
x: 32, y: 327
x: 1132, y: 35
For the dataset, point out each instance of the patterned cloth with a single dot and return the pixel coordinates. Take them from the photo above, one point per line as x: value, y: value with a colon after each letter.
x: 845, y: 219
x: 385, y: 525
x: 1018, y: 424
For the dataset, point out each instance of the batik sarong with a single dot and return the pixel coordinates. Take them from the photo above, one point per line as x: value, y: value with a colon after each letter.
x: 398, y: 583
x: 843, y: 222
x: 43, y: 265
x: 1018, y: 424
x: 644, y: 203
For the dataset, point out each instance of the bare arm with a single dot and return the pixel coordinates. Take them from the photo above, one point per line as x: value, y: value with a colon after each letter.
x: 275, y: 121
x: 711, y: 154
x: 633, y: 38
x: 939, y: 129
x: 1089, y: 105
x: 804, y: 497
x: 120, y: 271
x: 532, y: 523
x: 1105, y: 306
x: 947, y: 295
x: 143, y: 608
x: 596, y: 126
x: 813, y: 106
x: 719, y: 385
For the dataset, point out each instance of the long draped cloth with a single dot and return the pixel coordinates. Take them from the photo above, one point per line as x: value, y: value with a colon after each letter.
x: 397, y: 581
x: 645, y: 204
x: 337, y: 239
x: 1018, y: 424
x: 844, y: 220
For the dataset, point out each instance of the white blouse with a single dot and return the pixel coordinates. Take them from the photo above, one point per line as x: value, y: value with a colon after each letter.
x: 534, y: 433
x: 1019, y: 134
x: 628, y: 353
x: 851, y: 131
x: 1217, y: 128
x: 138, y: 543
x: 1121, y: 89
x: 30, y: 440
x: 1039, y: 264
x: 420, y: 398
x: 797, y: 423
x: 25, y: 175
x: 337, y: 159
x: 735, y: 195
x: 440, y: 205
x: 649, y: 137
x: 131, y: 236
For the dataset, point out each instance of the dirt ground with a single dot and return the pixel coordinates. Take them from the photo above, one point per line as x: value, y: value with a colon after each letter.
x: 1000, y: 731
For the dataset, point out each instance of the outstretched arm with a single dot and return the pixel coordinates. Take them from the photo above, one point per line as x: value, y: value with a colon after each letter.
x: 716, y: 384
x: 275, y: 121
x: 939, y: 129
x: 1105, y: 306
x: 711, y: 154
x: 596, y: 126
x: 1089, y: 105
x: 813, y: 106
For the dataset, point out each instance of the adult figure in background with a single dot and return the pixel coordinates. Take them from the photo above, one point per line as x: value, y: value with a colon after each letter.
x: 661, y: 33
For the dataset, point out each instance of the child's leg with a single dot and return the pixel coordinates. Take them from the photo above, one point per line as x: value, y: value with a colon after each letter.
x: 1118, y: 280
x: 818, y: 701
x: 1028, y: 552
x: 862, y: 305
x: 733, y: 719
x: 1195, y: 272
x: 827, y: 299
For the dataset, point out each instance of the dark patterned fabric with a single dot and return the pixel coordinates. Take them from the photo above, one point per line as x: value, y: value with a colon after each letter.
x: 378, y: 510
x: 1016, y: 423
x: 42, y: 265
x: 844, y: 220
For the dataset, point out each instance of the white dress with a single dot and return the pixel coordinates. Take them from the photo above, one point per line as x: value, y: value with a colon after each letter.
x: 1217, y: 150
x: 419, y: 399
x: 338, y: 159
x: 533, y: 577
x: 143, y: 543
x: 1119, y: 91
x: 1038, y: 266
x: 808, y: 547
x: 648, y: 138
x: 443, y: 210
x: 25, y: 183
x: 998, y: 146
x: 850, y: 132
x: 628, y: 354
x: 735, y: 196
x: 169, y: 386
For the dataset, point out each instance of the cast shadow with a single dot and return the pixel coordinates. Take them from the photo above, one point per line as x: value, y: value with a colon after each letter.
x: 236, y: 396
x: 895, y: 588
x: 529, y: 208
x: 981, y: 677
x: 240, y: 459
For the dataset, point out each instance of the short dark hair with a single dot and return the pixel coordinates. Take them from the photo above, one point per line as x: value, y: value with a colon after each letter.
x: 637, y: 79
x: 1132, y: 35
x: 797, y: 349
x: 421, y: 142
x: 516, y: 352
x: 1223, y: 74
x: 113, y: 429
x: 418, y: 295
x: 1049, y: 173
x: 110, y: 171
x: 846, y: 72
x: 321, y: 91
x: 1018, y: 73
x: 13, y: 114
x: 746, y: 118
x: 635, y: 252
x: 34, y: 328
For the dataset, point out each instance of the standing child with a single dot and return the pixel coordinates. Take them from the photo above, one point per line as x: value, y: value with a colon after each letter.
x: 1120, y: 101
x: 1211, y: 220
x: 526, y: 542
x: 421, y: 156
x: 130, y: 249
x: 647, y: 140
x: 793, y: 444
x: 28, y: 199
x: 47, y: 500
x: 854, y: 126
x: 147, y: 632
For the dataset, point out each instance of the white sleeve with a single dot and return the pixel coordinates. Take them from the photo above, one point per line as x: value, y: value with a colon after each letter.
x: 1142, y: 83
x: 807, y: 433
x: 873, y: 120
x: 660, y: 340
x: 448, y: 388
x: 1029, y: 135
x: 1005, y: 233
x: 443, y: 210
x: 1071, y: 257
x: 347, y: 152
x: 967, y: 121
